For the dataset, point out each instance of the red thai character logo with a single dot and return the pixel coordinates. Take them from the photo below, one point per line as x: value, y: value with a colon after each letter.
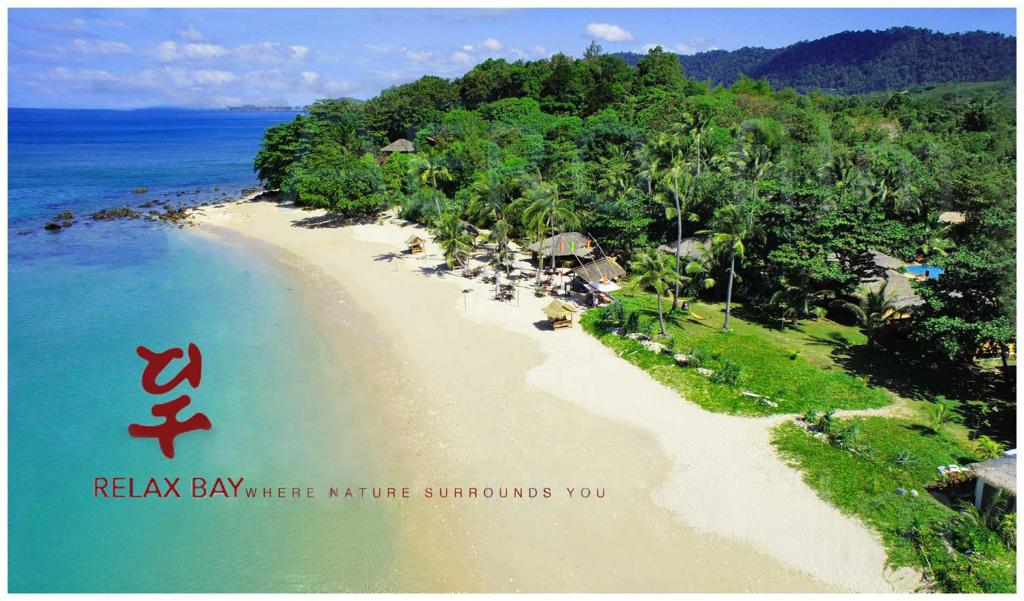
x: 166, y: 432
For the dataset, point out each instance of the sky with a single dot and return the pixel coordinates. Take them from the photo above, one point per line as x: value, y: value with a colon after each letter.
x: 133, y: 58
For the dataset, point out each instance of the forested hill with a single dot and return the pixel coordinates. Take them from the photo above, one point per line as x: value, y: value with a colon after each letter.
x: 855, y: 62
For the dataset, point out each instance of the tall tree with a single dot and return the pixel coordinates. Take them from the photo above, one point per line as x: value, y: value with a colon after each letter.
x: 731, y: 226
x: 653, y: 269
x: 430, y: 168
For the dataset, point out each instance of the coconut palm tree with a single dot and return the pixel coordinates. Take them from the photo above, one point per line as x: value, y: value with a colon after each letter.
x: 678, y: 171
x: 651, y: 161
x: 698, y: 125
x: 654, y: 269
x: 873, y: 309
x: 750, y: 162
x: 936, y: 240
x: 455, y: 242
x: 731, y: 226
x: 491, y: 193
x: 429, y: 168
x: 545, y: 211
x: 616, y: 178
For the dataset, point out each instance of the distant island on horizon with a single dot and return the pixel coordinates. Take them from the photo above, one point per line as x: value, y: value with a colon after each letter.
x: 255, y: 108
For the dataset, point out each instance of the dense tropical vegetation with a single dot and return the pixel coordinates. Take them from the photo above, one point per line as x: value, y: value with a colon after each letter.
x: 788, y: 193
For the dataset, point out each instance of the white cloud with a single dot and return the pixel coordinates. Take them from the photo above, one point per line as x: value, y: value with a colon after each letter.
x: 462, y: 57
x: 271, y: 52
x: 468, y: 48
x: 99, y: 47
x: 609, y: 32
x: 171, y: 51
x: 491, y: 44
x: 178, y: 85
x: 191, y: 34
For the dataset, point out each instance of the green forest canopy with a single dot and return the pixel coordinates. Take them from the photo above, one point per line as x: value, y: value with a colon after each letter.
x: 832, y: 176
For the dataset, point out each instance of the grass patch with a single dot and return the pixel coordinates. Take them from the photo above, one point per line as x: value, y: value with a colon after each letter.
x: 954, y: 551
x: 793, y: 369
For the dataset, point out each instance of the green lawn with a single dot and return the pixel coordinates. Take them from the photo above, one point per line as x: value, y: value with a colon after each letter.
x: 862, y: 479
x: 794, y: 368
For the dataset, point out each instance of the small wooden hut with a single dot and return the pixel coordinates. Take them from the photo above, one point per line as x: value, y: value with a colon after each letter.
x: 399, y: 145
x: 415, y: 244
x: 559, y: 314
x: 995, y: 475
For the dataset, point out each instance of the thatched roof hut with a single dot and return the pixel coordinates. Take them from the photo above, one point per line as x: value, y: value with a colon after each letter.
x: 399, y: 145
x: 559, y: 314
x: 884, y: 261
x: 415, y: 243
x: 563, y: 245
x: 952, y: 217
x: 1000, y: 473
x: 689, y: 248
x: 898, y: 289
x: 601, y: 270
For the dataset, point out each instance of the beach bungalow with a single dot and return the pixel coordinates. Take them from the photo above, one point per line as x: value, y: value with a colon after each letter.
x: 689, y: 248
x: 568, y: 248
x: 559, y: 314
x: 995, y: 475
x: 598, y: 278
x: 399, y: 145
x: 415, y: 244
x: 952, y: 217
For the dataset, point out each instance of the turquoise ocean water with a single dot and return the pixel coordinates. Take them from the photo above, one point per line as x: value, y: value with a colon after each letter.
x: 82, y: 300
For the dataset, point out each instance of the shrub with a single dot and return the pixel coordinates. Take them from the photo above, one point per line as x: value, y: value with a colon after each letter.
x: 699, y: 356
x: 631, y: 323
x: 988, y: 448
x: 728, y: 373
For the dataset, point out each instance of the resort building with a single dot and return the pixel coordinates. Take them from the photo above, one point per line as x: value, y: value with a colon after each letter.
x: 559, y: 314
x: 598, y: 278
x: 995, y: 476
x: 415, y: 244
x: 693, y: 247
x: 399, y: 145
x: 568, y: 248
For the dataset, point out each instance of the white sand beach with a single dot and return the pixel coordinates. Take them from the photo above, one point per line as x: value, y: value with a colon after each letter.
x: 474, y: 393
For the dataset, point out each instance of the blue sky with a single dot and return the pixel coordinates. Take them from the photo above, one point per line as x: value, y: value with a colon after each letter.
x: 129, y: 58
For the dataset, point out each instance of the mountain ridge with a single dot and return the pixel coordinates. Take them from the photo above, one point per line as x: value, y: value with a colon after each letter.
x: 857, y: 62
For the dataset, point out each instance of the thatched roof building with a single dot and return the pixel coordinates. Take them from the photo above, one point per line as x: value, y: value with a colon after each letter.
x: 563, y: 245
x: 559, y: 314
x: 898, y: 289
x: 884, y: 261
x: 689, y: 248
x: 1000, y: 473
x: 399, y: 145
x: 602, y: 270
x: 951, y: 217
x: 413, y: 239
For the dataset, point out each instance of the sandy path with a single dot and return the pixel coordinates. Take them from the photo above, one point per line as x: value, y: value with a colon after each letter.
x: 695, y: 501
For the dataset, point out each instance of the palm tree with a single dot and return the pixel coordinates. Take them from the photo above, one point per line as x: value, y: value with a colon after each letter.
x: 678, y: 168
x: 795, y: 301
x: 732, y: 225
x: 490, y: 195
x: 649, y: 156
x: 545, y: 211
x: 751, y: 162
x: 873, y: 309
x: 429, y: 168
x: 698, y: 125
x: 653, y: 269
x: 936, y: 240
x: 456, y: 243
x: 616, y: 177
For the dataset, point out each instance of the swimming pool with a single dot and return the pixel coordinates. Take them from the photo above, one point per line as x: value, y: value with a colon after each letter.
x: 929, y: 271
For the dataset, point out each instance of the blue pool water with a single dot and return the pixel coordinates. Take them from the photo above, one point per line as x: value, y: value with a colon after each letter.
x: 81, y: 300
x: 930, y: 271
